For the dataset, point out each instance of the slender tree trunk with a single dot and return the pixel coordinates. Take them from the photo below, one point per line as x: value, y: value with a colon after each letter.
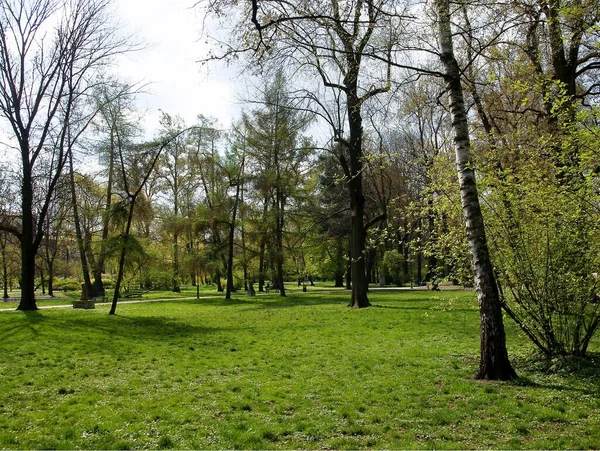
x: 113, y: 307
x: 176, y: 281
x: 50, y: 278
x: 42, y: 281
x: 261, y: 264
x: 349, y: 265
x: 340, y: 264
x: 3, y: 242
x: 230, y: 287
x: 99, y: 268
x: 243, y: 238
x: 218, y: 280
x: 494, y: 363
x: 78, y: 234
x: 279, y: 242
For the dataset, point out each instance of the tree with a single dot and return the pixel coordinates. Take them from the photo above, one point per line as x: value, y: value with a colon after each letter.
x: 174, y: 171
x: 234, y: 168
x: 49, y: 51
x: 494, y: 362
x: 136, y: 165
x: 278, y: 157
x: 334, y: 41
x: 533, y: 80
x: 116, y: 124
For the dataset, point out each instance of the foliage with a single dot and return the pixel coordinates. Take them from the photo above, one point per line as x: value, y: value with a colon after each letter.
x: 392, y: 264
x: 546, y: 239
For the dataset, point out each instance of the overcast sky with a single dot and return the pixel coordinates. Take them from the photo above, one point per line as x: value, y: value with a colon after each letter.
x: 179, y: 84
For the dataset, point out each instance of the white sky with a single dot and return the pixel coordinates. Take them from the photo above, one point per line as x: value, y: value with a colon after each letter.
x: 180, y: 85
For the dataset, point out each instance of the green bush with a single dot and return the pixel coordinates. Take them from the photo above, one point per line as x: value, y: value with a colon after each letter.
x: 67, y: 285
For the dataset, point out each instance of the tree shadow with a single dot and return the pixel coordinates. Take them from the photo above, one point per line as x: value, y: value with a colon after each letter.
x: 271, y: 301
x: 527, y: 382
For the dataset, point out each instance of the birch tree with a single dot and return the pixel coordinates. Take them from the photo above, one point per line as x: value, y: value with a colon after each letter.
x: 494, y: 362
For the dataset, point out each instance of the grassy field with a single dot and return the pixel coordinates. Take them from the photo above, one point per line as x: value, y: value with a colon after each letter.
x: 304, y: 372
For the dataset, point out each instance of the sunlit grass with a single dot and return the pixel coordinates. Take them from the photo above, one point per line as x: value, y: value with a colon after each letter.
x: 265, y: 372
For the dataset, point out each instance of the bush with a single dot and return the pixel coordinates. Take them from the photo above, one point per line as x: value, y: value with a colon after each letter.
x: 67, y: 285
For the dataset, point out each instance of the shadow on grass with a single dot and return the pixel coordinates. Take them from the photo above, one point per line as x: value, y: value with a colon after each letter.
x: 273, y: 301
x: 526, y: 382
x: 31, y: 319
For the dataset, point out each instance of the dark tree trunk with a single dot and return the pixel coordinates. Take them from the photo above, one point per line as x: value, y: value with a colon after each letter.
x: 42, y: 281
x: 360, y: 282
x: 4, y: 243
x: 279, y: 244
x: 218, y: 280
x: 78, y: 233
x: 261, y: 264
x: 231, y: 237
x: 50, y: 278
x: 176, y: 281
x: 494, y: 363
x: 406, y: 255
x: 119, y: 280
x: 340, y: 264
x: 99, y: 268
x: 349, y: 266
x: 28, y: 248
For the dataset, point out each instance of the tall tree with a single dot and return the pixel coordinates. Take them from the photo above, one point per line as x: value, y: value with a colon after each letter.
x: 494, y: 363
x: 49, y: 50
x: 175, y: 174
x: 279, y: 155
x: 334, y: 41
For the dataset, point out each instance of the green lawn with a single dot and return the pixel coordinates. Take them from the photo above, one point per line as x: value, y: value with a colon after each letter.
x: 303, y: 372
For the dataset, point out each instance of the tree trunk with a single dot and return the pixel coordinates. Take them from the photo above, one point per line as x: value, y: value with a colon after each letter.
x: 113, y: 307
x: 28, y: 249
x: 261, y: 264
x: 50, y: 278
x: 99, y: 268
x: 279, y: 243
x: 4, y: 243
x: 494, y: 363
x: 78, y: 233
x: 339, y: 264
x: 176, y: 282
x: 360, y: 282
x: 349, y: 266
x: 230, y: 287
x: 218, y: 280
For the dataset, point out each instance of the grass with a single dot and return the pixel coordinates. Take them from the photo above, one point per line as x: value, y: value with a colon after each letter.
x: 303, y: 372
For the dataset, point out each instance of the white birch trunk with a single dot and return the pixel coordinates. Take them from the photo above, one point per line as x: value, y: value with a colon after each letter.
x: 494, y: 363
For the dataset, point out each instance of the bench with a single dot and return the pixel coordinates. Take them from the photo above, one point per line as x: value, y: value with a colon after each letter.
x: 84, y: 304
x: 134, y: 293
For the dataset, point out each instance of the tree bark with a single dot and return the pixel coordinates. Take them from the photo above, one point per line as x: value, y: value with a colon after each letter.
x: 494, y: 363
x: 230, y: 286
x: 358, y: 235
x: 28, y: 249
x: 113, y: 307
x: 3, y: 244
x: 78, y: 233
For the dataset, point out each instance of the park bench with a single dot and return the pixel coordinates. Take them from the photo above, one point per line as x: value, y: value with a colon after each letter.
x: 84, y: 304
x: 128, y: 293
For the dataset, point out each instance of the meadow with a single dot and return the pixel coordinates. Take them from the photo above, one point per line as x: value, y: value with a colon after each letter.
x: 304, y: 372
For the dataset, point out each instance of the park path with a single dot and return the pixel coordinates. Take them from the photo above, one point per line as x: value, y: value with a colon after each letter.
x: 191, y: 298
x: 138, y: 301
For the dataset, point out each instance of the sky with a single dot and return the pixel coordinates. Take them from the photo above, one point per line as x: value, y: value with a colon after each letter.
x: 179, y: 84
